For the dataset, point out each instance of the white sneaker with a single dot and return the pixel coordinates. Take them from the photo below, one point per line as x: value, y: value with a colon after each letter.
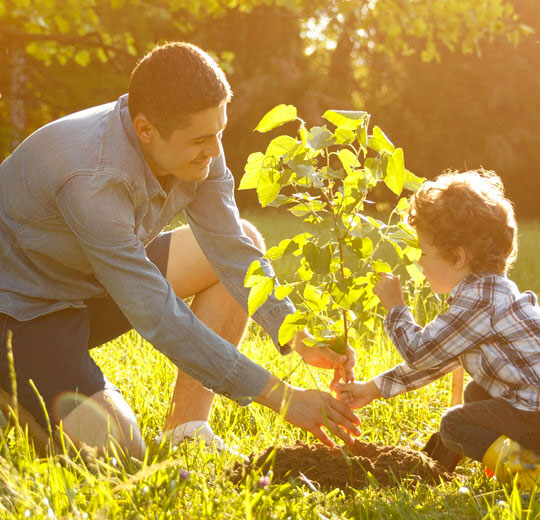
x: 195, y: 430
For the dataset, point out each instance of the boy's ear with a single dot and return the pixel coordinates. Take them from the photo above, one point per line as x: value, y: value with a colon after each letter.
x: 461, y: 258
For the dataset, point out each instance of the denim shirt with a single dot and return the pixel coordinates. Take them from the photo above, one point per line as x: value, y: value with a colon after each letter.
x: 78, y: 205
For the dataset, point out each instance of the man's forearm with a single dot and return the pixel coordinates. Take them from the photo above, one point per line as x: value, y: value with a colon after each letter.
x: 275, y: 394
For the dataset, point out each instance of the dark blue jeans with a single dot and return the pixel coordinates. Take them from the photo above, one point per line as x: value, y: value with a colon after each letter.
x: 470, y: 429
x: 53, y: 350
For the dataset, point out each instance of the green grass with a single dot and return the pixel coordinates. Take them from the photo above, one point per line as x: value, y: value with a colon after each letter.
x: 61, y: 487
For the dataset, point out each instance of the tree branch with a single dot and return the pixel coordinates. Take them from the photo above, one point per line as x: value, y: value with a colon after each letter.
x: 88, y: 40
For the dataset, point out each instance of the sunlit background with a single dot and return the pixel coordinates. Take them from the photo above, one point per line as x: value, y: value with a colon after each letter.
x: 456, y: 83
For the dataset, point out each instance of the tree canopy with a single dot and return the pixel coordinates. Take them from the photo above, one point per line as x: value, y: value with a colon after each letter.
x: 409, y: 62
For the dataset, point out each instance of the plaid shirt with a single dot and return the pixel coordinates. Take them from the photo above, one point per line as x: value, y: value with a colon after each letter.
x: 491, y: 329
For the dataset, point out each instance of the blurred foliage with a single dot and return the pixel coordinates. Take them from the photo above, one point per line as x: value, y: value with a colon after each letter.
x: 455, y: 81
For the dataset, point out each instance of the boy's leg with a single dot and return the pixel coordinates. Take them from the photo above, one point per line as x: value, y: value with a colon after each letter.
x: 470, y: 429
x: 190, y: 274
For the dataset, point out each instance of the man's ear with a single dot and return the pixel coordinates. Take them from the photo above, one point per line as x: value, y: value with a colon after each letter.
x: 461, y: 258
x: 143, y: 128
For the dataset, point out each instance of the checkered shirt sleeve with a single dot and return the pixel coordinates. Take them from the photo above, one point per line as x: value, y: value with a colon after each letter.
x: 491, y: 329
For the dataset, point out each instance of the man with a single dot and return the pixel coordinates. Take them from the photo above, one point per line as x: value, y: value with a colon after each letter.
x: 82, y: 201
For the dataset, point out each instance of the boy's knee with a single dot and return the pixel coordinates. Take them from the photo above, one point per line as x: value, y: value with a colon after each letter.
x: 252, y: 232
x: 449, y: 436
x: 474, y: 392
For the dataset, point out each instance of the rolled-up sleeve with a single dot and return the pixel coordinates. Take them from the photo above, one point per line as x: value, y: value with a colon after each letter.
x: 99, y: 209
x: 214, y: 219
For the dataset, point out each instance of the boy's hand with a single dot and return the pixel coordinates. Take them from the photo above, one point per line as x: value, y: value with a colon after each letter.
x: 389, y: 291
x: 325, y: 357
x: 357, y: 395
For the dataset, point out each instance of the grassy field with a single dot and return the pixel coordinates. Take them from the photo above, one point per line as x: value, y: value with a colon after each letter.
x: 60, y: 487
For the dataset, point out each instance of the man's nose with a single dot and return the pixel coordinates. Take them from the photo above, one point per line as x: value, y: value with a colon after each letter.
x: 213, y: 149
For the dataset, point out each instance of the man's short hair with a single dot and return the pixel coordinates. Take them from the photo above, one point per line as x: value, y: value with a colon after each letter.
x: 172, y: 82
x: 467, y: 209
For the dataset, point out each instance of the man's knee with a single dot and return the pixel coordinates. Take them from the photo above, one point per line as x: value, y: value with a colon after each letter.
x: 103, y: 417
x: 252, y: 232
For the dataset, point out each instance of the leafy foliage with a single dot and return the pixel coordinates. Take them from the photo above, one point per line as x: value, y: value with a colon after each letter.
x: 324, y: 177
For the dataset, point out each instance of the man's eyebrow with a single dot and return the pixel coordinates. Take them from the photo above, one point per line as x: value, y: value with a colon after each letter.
x: 196, y: 138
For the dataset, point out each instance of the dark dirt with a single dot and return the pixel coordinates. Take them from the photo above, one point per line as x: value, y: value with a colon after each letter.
x: 347, y: 467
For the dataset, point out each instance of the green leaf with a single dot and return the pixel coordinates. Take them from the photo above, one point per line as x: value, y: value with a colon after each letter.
x: 321, y: 137
x: 411, y: 238
x: 259, y: 294
x: 412, y: 182
x: 380, y: 266
x: 402, y: 206
x: 255, y: 274
x: 395, y: 171
x: 82, y: 58
x: 268, y: 186
x: 379, y: 141
x: 344, y: 136
x: 280, y: 146
x: 286, y: 246
x: 363, y: 246
x: 290, y: 326
x: 62, y: 24
x: 315, y: 299
x: 276, y: 117
x: 349, y: 160
x: 317, y: 258
x: 307, y: 207
x: 415, y: 273
x: 252, y: 171
x: 346, y: 119
x: 282, y: 291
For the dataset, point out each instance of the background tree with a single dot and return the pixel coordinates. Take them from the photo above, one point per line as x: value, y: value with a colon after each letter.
x: 420, y: 67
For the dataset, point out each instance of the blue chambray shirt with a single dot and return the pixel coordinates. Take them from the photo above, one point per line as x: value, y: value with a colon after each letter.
x: 78, y: 205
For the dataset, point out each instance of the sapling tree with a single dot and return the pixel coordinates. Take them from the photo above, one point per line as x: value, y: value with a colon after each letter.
x: 324, y: 177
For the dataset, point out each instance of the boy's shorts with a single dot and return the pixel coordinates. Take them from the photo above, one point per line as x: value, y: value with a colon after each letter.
x: 53, y: 350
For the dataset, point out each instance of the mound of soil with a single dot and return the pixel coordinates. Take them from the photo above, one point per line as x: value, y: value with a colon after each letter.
x: 344, y: 467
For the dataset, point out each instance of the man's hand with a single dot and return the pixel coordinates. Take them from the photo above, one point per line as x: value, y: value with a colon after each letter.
x: 357, y: 395
x: 389, y: 291
x: 311, y: 410
x: 325, y: 357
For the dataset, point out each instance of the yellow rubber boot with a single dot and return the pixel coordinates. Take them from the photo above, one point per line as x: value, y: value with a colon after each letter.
x: 509, y: 460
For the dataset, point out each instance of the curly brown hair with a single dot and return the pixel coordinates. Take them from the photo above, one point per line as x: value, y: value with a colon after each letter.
x: 467, y: 209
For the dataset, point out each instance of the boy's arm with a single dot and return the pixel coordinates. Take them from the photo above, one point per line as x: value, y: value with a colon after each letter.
x: 402, y: 378
x: 467, y: 323
x: 399, y: 379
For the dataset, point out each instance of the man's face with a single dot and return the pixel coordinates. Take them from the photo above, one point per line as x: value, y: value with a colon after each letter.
x: 187, y: 153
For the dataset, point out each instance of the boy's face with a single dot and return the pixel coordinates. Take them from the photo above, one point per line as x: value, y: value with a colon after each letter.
x: 187, y: 153
x: 442, y: 275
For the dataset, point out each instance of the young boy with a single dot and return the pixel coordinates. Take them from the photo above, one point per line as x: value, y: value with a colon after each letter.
x: 467, y: 234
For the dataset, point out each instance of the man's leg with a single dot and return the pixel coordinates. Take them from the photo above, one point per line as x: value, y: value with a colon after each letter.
x: 190, y: 274
x: 52, y: 352
x: 101, y: 418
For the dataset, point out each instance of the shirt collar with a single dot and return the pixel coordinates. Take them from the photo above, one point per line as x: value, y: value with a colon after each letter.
x: 153, y: 186
x: 461, y: 285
